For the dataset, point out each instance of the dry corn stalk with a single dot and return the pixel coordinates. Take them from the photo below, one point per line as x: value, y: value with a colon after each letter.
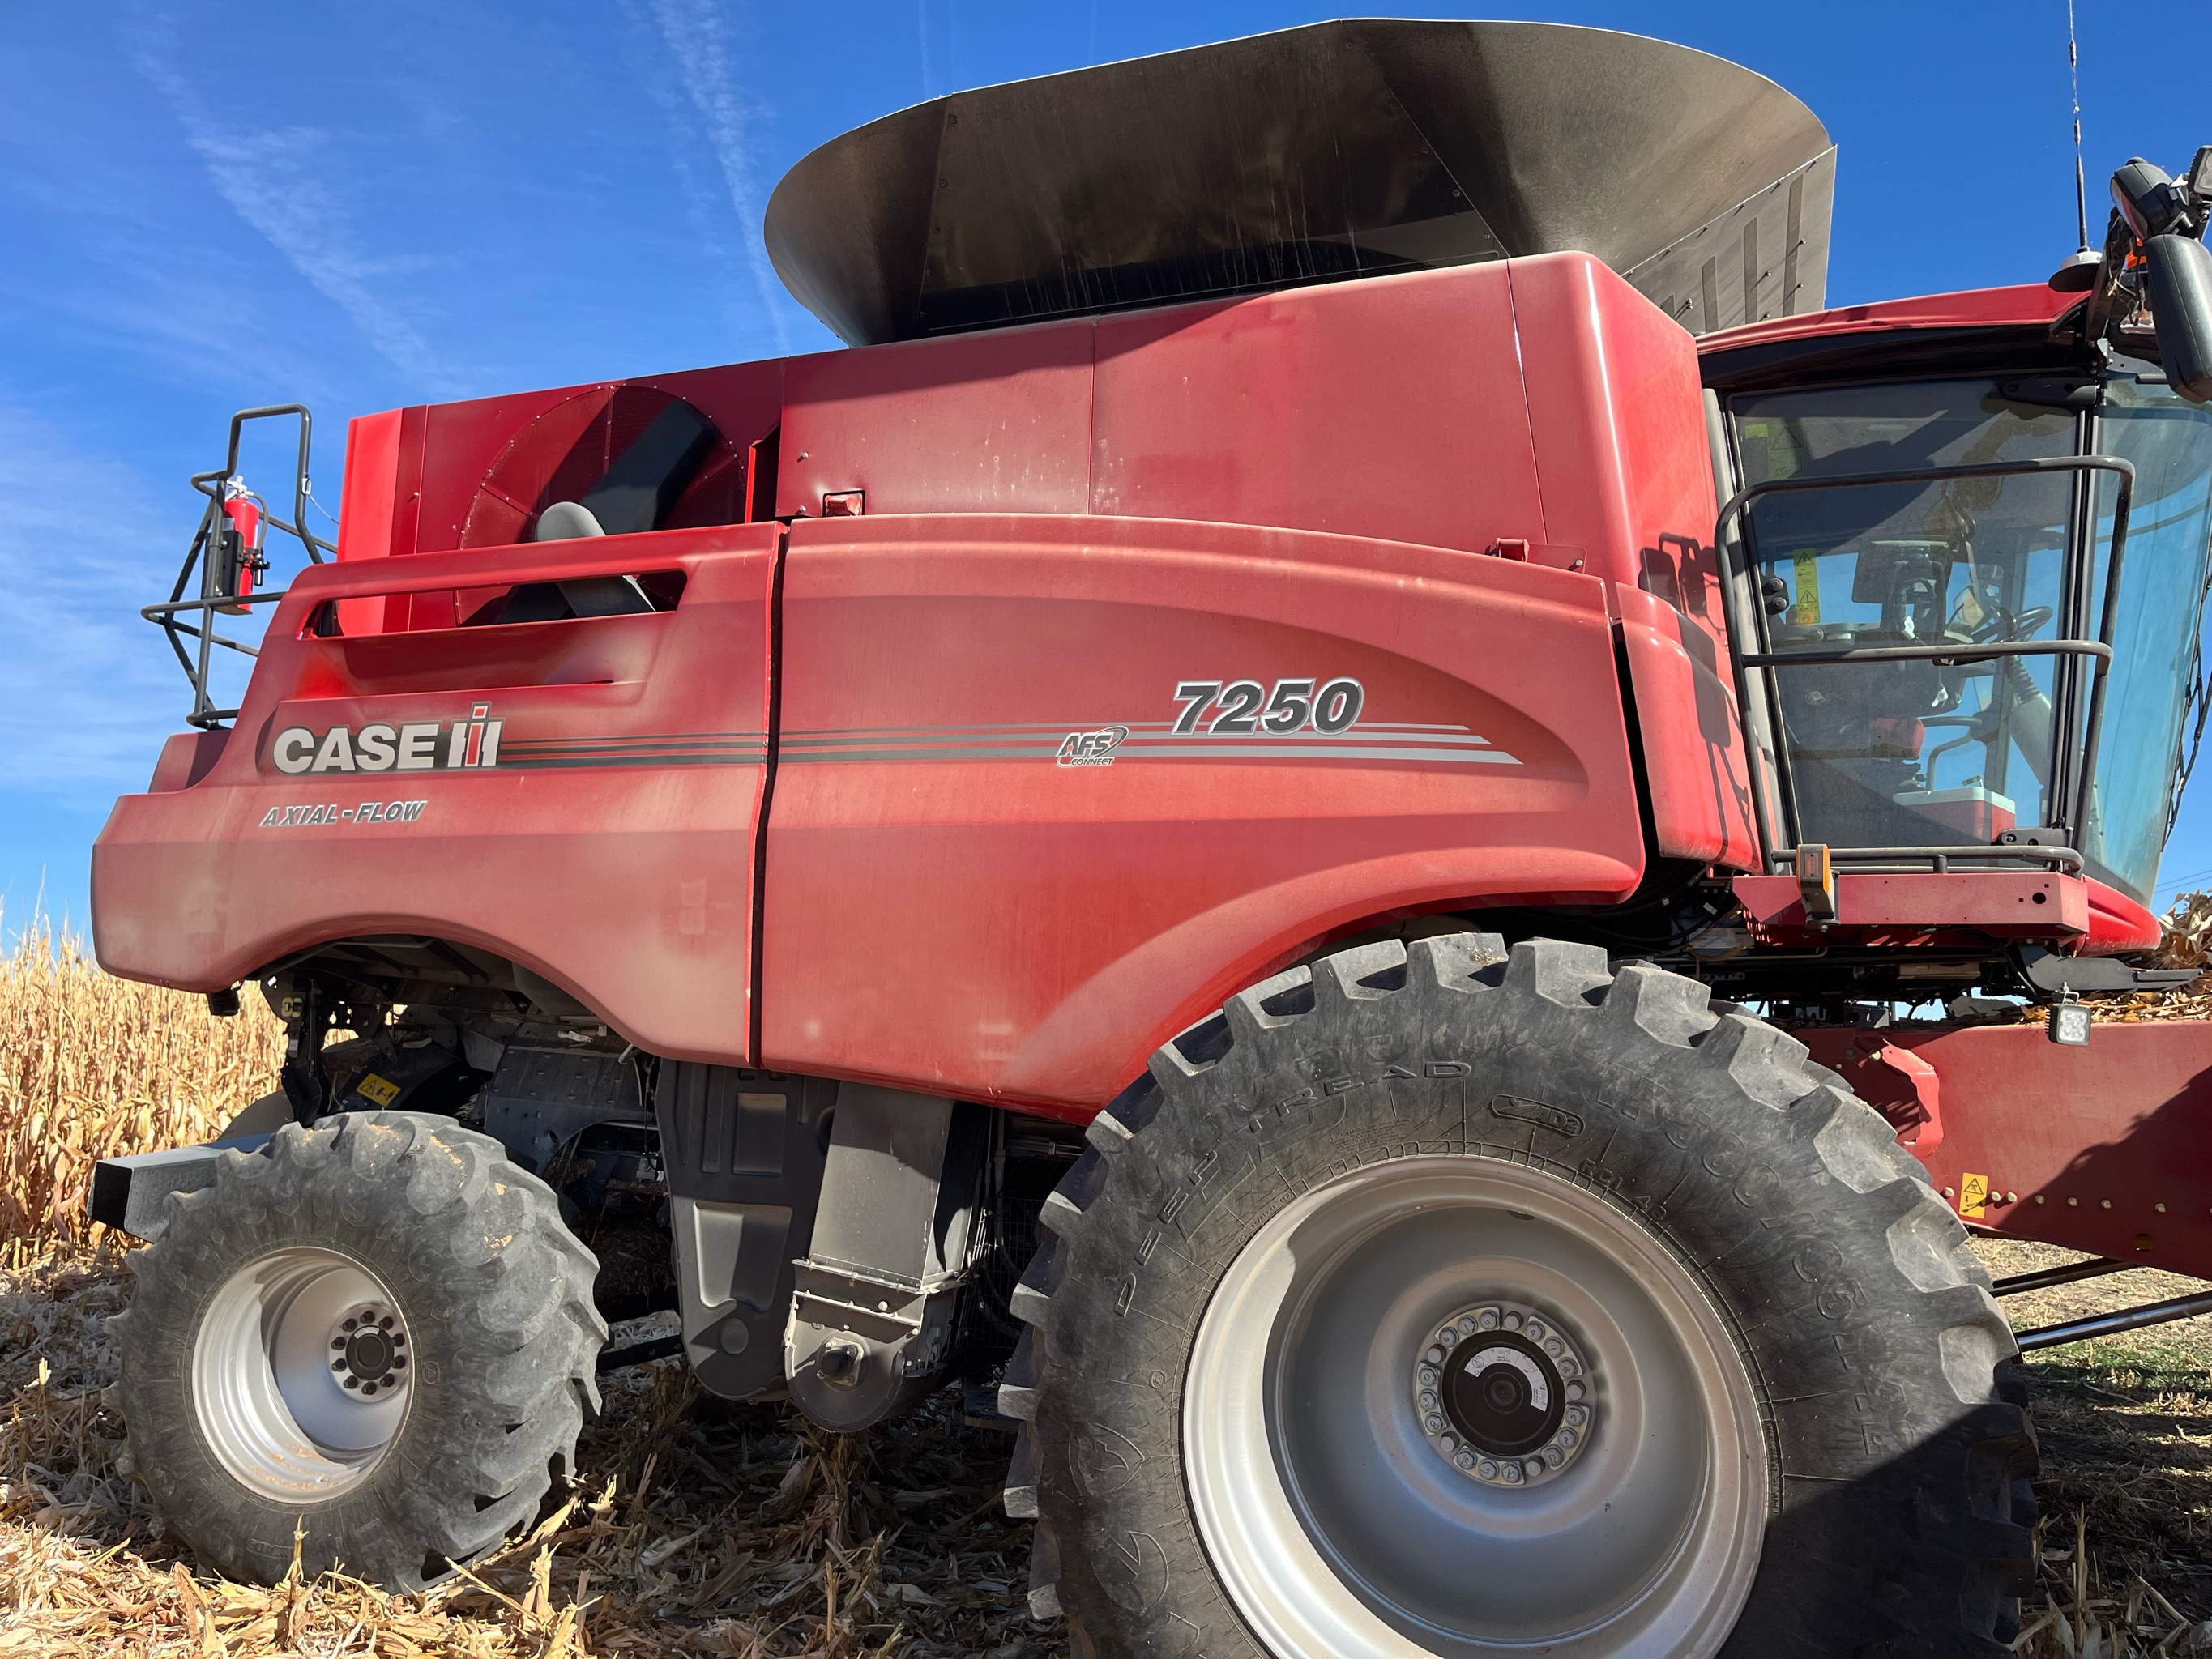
x: 93, y: 1067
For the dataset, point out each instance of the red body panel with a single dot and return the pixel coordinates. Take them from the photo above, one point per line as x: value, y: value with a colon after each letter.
x: 2025, y: 305
x: 2087, y: 917
x: 1298, y: 486
x: 952, y: 905
x: 1691, y: 731
x: 1298, y: 410
x: 1902, y: 910
x: 2117, y: 925
x: 1608, y: 380
x: 611, y: 849
x: 980, y: 423
x: 2106, y: 1148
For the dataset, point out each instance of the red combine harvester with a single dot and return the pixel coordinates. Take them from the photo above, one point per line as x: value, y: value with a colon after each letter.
x: 1195, y: 826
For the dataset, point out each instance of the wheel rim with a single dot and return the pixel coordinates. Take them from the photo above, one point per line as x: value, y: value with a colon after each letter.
x: 1338, y: 1518
x: 300, y: 1373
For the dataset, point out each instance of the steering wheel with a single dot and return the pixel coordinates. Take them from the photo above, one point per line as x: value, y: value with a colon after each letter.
x: 2004, y: 625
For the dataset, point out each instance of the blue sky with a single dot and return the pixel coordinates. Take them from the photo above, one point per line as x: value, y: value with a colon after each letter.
x: 213, y: 206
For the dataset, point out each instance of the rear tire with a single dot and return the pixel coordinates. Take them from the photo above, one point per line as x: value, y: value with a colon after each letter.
x: 377, y: 1329
x: 1778, y: 1328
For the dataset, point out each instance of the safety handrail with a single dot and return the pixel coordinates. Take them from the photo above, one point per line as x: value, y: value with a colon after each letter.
x: 2100, y: 649
x: 201, y: 554
x: 1939, y: 858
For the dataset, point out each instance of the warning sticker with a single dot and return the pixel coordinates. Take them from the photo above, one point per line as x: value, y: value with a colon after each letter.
x: 383, y: 1090
x: 1973, y: 1196
x: 1805, y: 613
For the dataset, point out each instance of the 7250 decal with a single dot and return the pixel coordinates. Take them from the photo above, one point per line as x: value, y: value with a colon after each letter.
x: 1244, y: 706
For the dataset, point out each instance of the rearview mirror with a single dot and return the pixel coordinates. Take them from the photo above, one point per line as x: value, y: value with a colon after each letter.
x: 2180, y: 293
x: 2151, y: 202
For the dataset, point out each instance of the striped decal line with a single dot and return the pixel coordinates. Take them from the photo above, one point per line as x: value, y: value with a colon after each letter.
x: 1370, y: 740
x: 679, y: 748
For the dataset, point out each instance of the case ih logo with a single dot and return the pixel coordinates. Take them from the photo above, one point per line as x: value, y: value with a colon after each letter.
x: 414, y: 746
x: 1091, y: 748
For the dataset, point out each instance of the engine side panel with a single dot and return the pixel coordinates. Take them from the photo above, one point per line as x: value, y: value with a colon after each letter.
x: 978, y: 423
x: 1390, y: 408
x: 1005, y: 860
x: 605, y: 838
x: 1620, y: 445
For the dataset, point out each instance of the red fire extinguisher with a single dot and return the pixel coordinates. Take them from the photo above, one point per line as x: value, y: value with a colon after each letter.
x: 239, y: 549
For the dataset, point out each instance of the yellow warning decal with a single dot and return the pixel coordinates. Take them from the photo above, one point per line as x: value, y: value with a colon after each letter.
x: 1973, y: 1195
x: 383, y: 1090
x: 1806, y: 612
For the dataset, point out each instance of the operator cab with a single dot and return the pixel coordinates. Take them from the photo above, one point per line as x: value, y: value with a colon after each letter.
x: 1888, y: 751
x: 1974, y: 510
x: 1969, y: 537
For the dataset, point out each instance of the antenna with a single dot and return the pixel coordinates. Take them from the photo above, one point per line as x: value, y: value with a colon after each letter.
x: 2074, y: 73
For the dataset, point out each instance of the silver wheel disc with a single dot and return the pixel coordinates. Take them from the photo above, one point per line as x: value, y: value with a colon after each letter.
x: 300, y: 1373
x: 1329, y: 1459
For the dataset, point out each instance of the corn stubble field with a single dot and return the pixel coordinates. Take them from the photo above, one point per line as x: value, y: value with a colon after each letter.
x: 698, y: 1528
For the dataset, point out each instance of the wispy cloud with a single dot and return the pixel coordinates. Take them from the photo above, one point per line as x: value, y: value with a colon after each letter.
x: 697, y: 35
x: 275, y: 181
x: 930, y: 84
x: 86, y: 688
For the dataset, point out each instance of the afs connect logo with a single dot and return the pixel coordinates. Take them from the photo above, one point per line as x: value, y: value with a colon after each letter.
x: 416, y: 746
x: 1091, y: 748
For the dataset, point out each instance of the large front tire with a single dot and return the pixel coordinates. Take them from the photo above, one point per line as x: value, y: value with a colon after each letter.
x: 378, y: 1331
x: 1759, y: 1410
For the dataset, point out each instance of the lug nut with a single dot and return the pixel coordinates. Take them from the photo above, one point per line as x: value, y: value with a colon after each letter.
x: 352, y: 1381
x: 1539, y: 1347
x: 338, y: 1342
x: 386, y: 1381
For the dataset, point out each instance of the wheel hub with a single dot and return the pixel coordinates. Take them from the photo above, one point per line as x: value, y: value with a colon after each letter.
x: 1376, y: 1373
x: 368, y: 1351
x: 300, y: 1373
x: 1504, y: 1394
